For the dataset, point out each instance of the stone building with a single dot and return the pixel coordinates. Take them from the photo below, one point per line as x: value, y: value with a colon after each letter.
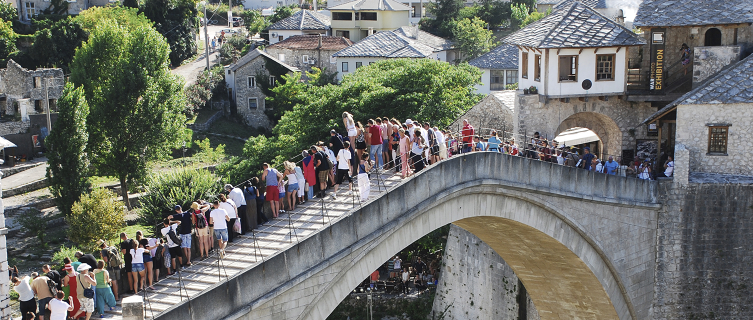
x: 499, y: 67
x: 308, y: 51
x: 303, y: 22
x: 359, y: 19
x: 27, y: 92
x: 28, y: 9
x: 244, y: 81
x: 495, y: 111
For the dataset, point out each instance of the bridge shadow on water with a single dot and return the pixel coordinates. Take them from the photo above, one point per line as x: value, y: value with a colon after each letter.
x: 582, y: 243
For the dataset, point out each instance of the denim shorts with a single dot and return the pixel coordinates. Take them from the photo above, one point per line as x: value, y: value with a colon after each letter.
x: 292, y: 187
x: 137, y: 267
x: 185, y: 241
x: 220, y: 234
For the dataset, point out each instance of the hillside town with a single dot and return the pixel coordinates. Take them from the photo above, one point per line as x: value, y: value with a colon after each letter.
x: 514, y: 159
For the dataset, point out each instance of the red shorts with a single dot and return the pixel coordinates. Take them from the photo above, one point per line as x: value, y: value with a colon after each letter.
x: 273, y: 193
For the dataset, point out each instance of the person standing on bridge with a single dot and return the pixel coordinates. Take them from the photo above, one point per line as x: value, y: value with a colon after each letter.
x: 272, y: 178
x: 375, y: 136
x: 364, y: 187
x: 184, y: 231
x: 468, y: 133
x: 404, y: 149
x: 219, y: 218
x: 611, y: 166
x: 587, y: 159
x: 236, y: 194
x: 172, y: 247
x: 350, y: 126
x: 344, y: 169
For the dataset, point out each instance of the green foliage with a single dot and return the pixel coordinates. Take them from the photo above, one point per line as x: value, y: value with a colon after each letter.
x: 67, y: 159
x: 7, y: 41
x: 512, y: 86
x: 181, y: 186
x: 422, y: 89
x: 8, y: 12
x: 283, y: 12
x: 207, y: 154
x: 98, y: 215
x: 472, y: 38
x: 231, y: 49
x: 444, y: 12
x: 126, y: 17
x: 176, y: 21
x: 56, y: 45
x: 254, y: 21
x: 131, y: 4
x: 64, y: 252
x: 385, y: 307
x: 523, y: 15
x: 285, y: 97
x: 321, y: 77
x: 59, y: 7
x: 136, y: 103
x: 34, y: 223
x: 208, y: 84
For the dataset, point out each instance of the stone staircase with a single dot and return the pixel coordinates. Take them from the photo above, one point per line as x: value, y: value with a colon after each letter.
x: 247, y: 250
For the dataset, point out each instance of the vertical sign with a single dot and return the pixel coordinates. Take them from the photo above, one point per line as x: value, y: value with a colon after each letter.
x: 656, y: 81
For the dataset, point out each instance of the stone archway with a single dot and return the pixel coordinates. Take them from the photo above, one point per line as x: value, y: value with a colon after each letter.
x: 607, y: 130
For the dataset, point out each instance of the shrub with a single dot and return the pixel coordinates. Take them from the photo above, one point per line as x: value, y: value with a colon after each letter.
x: 98, y: 215
x: 182, y: 186
x: 34, y: 223
x: 512, y: 86
x: 64, y: 252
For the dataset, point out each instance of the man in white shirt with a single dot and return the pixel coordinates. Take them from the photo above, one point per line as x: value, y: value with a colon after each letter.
x: 25, y: 295
x: 344, y: 168
x: 232, y: 211
x: 174, y: 248
x: 219, y: 218
x: 58, y: 308
x: 442, y: 143
x: 236, y: 194
x: 411, y: 128
x: 669, y: 167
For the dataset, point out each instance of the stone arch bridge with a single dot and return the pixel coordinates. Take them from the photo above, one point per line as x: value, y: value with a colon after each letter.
x: 582, y: 243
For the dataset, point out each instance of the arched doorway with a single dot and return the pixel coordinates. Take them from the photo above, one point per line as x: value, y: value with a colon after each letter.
x: 580, y: 137
x: 607, y: 131
x: 713, y: 37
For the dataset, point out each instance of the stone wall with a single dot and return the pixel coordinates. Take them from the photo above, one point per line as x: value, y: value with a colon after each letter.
x: 5, y: 309
x: 14, y: 127
x: 20, y: 83
x: 476, y: 283
x: 704, y: 250
x: 709, y: 60
x: 495, y: 111
x: 294, y: 57
x: 613, y: 120
x: 253, y: 117
x: 693, y: 133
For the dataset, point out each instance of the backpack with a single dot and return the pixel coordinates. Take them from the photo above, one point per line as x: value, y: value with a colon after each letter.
x: 113, y: 258
x: 53, y: 286
x: 174, y: 237
x: 201, y: 221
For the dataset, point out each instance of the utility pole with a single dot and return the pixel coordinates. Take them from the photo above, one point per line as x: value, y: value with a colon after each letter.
x: 230, y: 14
x: 47, y: 98
x: 206, y: 34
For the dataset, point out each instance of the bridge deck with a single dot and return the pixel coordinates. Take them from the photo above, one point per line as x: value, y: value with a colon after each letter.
x: 244, y: 253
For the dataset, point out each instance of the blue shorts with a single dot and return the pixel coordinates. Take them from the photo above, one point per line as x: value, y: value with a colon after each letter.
x: 147, y: 258
x: 137, y: 267
x: 292, y: 187
x: 185, y: 241
x: 220, y: 234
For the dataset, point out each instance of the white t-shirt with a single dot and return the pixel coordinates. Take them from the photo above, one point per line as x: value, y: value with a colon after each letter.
x: 229, y: 208
x: 440, y: 137
x: 153, y: 243
x: 331, y: 155
x: 24, y: 290
x: 58, y: 309
x: 406, y: 276
x: 343, y: 157
x: 237, y: 196
x: 398, y: 264
x: 670, y: 169
x: 170, y: 243
x: 138, y: 254
x: 219, y: 218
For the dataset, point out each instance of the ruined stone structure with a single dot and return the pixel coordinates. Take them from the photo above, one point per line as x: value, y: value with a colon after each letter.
x: 494, y: 111
x: 307, y: 51
x: 42, y: 87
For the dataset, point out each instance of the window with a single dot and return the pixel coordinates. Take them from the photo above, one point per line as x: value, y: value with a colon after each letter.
x: 280, y: 38
x: 497, y: 79
x: 53, y: 104
x: 370, y: 16
x: 253, y: 103
x: 38, y: 106
x: 537, y: 68
x: 281, y: 57
x: 568, y: 68
x: 31, y: 10
x: 37, y: 82
x: 342, y: 16
x: 344, y: 34
x: 345, y: 67
x: 272, y: 80
x: 512, y: 77
x: 718, y: 139
x: 524, y: 64
x: 604, y: 67
x: 713, y: 37
x: 252, y: 82
x: 359, y: 64
x: 305, y: 58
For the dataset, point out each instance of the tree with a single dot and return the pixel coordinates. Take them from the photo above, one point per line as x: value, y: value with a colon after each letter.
x: 445, y: 12
x: 67, y: 158
x: 283, y: 12
x: 8, y: 12
x: 131, y: 4
x: 176, y: 21
x: 472, y: 38
x: 7, y: 41
x: 136, y: 103
x: 55, y: 47
x: 522, y: 15
x: 254, y: 21
x: 98, y: 215
x: 126, y: 17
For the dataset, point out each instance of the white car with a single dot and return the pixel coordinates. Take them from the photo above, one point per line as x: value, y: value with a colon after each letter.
x: 228, y: 32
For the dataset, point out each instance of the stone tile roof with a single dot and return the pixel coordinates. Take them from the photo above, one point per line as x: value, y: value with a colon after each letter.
x: 596, y: 4
x: 705, y: 177
x: 381, y: 5
x: 731, y: 85
x: 574, y: 25
x: 311, y: 42
x: 404, y: 42
x: 506, y: 97
x: 668, y: 13
x: 303, y: 20
x: 502, y: 57
x: 253, y: 54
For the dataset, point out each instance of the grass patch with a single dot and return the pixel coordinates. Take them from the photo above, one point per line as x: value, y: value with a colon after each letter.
x: 232, y: 128
x: 103, y: 180
x: 233, y: 147
x: 204, y: 114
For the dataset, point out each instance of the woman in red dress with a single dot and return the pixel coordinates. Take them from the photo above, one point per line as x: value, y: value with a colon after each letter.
x: 69, y: 281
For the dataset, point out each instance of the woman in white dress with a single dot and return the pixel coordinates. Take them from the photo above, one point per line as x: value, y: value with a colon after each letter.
x: 350, y: 126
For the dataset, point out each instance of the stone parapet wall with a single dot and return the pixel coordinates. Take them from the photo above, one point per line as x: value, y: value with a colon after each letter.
x: 14, y: 127
x: 491, y: 112
x: 709, y: 60
x: 5, y: 309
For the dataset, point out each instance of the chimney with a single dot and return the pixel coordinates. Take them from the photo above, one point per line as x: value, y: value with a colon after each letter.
x: 315, y: 3
x: 320, y: 41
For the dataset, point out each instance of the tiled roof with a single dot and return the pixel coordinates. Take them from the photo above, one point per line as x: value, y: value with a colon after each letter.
x: 668, y: 13
x: 400, y: 43
x: 731, y: 85
x: 303, y: 20
x: 382, y: 5
x: 253, y: 54
x: 308, y: 42
x: 502, y: 57
x: 574, y: 25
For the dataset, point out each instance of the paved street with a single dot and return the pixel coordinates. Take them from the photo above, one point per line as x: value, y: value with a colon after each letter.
x: 190, y: 71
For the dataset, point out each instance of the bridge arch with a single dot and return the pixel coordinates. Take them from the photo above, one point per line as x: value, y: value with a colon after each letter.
x: 606, y: 128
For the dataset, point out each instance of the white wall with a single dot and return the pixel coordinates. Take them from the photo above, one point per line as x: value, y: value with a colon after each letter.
x: 586, y: 70
x: 352, y: 65
x: 284, y: 33
x: 263, y: 4
x: 485, y: 81
x: 230, y: 81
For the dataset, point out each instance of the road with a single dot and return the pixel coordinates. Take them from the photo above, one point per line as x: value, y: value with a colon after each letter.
x: 191, y: 71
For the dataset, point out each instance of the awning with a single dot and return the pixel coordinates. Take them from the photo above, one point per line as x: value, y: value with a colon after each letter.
x: 5, y: 143
x: 576, y: 136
